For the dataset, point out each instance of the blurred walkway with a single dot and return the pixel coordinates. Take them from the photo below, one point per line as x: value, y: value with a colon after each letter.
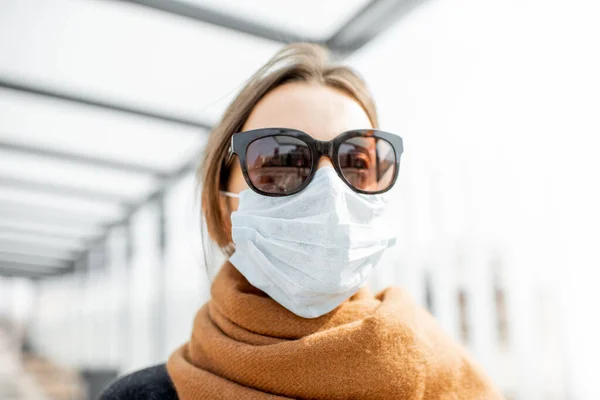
x: 28, y: 377
x: 15, y: 383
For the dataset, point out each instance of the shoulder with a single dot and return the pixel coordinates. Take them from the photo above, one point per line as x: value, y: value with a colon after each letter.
x: 150, y: 383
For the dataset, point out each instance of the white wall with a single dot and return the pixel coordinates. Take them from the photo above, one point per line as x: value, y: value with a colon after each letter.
x: 498, y: 104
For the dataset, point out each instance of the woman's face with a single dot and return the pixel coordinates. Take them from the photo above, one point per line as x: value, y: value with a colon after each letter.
x: 321, y: 111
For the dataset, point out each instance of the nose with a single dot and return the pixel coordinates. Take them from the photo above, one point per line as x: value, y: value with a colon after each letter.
x: 324, y: 161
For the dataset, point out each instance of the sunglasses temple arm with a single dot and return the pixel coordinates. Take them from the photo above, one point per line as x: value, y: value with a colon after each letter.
x: 377, y: 169
x: 229, y: 157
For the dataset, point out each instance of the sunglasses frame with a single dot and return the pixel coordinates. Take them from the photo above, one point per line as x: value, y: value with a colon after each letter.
x: 318, y: 148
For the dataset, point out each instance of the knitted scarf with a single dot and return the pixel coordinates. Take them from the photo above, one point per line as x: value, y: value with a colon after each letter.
x: 244, y: 345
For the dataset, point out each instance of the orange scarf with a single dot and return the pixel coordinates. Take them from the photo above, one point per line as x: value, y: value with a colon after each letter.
x: 244, y: 345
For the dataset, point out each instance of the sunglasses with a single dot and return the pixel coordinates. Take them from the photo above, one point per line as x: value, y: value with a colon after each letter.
x: 282, y: 161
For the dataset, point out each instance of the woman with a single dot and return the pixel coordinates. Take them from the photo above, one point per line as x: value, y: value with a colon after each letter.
x: 295, y: 183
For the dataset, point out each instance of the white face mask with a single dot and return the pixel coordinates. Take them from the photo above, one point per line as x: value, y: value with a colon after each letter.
x: 312, y: 250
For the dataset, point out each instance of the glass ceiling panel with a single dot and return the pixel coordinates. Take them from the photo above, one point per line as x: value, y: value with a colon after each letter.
x: 31, y: 120
x: 84, y: 221
x: 127, y: 185
x: 71, y: 244
x: 31, y: 249
x: 316, y: 19
x: 128, y: 53
x: 59, y: 204
x: 37, y: 261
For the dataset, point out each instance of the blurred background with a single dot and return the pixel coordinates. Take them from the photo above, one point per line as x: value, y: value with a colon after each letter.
x: 105, y: 107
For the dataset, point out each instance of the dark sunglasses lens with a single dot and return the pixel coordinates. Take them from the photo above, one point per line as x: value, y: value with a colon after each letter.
x: 278, y: 164
x: 367, y: 163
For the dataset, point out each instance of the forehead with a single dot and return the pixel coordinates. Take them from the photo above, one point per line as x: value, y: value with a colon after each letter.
x: 321, y: 111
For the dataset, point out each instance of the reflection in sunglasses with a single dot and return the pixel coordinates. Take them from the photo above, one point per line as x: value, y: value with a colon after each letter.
x: 278, y: 166
x: 283, y: 163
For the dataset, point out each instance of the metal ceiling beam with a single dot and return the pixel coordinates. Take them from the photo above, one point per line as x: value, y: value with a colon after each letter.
x: 25, y: 244
x: 7, y: 272
x: 374, y: 18
x: 37, y: 250
x: 33, y: 266
x: 30, y: 271
x: 207, y: 15
x: 45, y: 262
x: 66, y: 191
x: 88, y: 160
x: 90, y: 101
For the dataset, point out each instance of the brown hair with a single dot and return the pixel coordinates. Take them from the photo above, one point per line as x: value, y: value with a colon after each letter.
x: 299, y: 62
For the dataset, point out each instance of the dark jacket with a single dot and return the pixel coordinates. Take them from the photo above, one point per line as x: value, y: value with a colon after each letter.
x: 152, y: 383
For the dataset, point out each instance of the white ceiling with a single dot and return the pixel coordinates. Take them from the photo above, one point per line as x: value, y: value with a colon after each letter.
x: 167, y: 78
x: 314, y: 19
x: 127, y: 54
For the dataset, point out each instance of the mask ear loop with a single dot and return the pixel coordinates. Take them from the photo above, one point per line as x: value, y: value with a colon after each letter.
x: 230, y: 194
x: 212, y: 257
